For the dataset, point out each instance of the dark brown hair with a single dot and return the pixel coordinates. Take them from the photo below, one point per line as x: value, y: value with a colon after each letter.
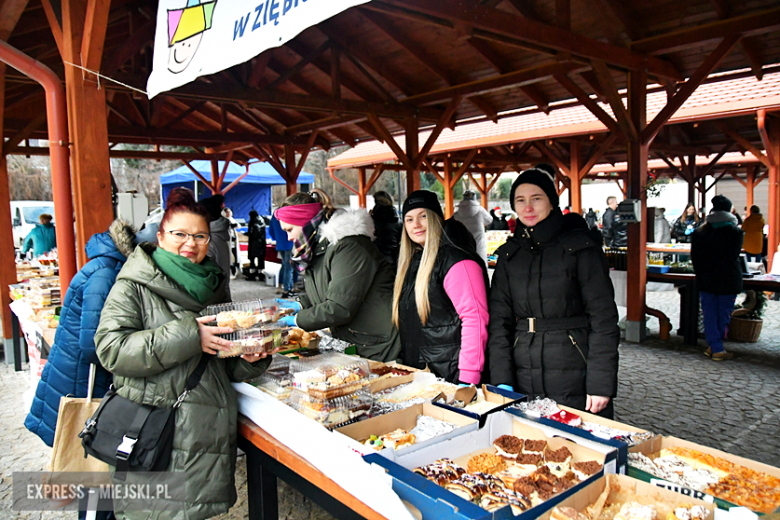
x: 181, y: 200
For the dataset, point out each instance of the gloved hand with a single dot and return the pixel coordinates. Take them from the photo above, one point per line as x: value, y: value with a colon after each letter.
x: 688, y: 230
x: 288, y: 321
x: 288, y: 304
x: 506, y: 387
x: 463, y: 385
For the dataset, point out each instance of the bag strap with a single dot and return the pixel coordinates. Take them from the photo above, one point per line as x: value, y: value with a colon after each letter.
x: 125, y: 448
x: 194, y: 379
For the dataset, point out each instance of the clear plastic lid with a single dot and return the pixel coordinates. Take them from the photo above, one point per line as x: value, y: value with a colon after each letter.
x: 335, y: 412
x: 255, y: 341
x: 244, y: 315
x: 277, y: 387
x: 329, y: 375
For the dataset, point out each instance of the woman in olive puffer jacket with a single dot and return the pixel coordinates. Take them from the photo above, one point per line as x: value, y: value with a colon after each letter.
x: 151, y: 337
x: 553, y: 320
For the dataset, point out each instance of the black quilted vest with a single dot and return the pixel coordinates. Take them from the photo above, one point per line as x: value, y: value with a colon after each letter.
x: 437, y: 343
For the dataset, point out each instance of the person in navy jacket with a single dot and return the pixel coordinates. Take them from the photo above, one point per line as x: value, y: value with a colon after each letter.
x: 66, y: 372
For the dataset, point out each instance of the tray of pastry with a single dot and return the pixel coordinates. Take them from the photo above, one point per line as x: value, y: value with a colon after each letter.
x: 255, y: 341
x: 244, y: 315
x: 335, y: 412
x: 301, y: 338
x: 329, y: 375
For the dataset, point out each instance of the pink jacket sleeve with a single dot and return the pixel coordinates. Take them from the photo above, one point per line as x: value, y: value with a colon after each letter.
x: 465, y: 286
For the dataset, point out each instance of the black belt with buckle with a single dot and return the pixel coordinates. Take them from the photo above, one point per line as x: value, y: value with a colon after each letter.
x: 533, y: 325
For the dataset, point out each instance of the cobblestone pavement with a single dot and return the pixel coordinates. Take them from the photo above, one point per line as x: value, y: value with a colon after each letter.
x: 667, y: 387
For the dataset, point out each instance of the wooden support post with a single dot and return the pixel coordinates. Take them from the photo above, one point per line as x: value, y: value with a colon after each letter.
x: 575, y: 187
x: 750, y: 181
x: 362, y: 199
x: 636, y: 277
x: 449, y: 189
x: 483, y: 190
x: 291, y: 176
x: 770, y: 137
x: 412, y: 151
x: 87, y: 118
x: 7, y: 264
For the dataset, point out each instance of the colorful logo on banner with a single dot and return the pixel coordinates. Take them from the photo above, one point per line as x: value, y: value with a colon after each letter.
x: 185, y: 31
x: 199, y: 37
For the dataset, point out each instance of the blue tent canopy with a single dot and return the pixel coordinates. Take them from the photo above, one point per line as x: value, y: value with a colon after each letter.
x: 252, y: 192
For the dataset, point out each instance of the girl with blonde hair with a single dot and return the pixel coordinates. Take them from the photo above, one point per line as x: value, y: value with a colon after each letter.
x: 348, y: 281
x: 440, y: 296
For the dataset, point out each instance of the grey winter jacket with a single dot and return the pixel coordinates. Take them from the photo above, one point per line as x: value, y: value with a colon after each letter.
x: 475, y: 218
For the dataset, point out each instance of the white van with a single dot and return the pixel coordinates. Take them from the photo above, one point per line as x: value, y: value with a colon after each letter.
x: 25, y: 213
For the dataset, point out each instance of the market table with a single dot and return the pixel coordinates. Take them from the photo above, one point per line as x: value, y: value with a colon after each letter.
x: 689, y: 297
x: 267, y: 459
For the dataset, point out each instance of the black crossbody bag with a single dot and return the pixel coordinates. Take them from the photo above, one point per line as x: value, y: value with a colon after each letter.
x: 132, y: 436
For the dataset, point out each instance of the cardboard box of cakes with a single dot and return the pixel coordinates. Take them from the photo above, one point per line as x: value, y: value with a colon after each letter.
x: 574, y: 429
x: 509, y: 468
x: 388, y: 375
x: 706, y: 473
x: 406, y: 430
x: 496, y: 399
x: 619, y: 496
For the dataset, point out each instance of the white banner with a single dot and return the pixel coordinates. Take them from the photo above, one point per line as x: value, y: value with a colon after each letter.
x: 199, y: 37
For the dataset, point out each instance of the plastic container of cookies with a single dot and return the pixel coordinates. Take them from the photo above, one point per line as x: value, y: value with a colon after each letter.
x: 332, y: 413
x: 329, y: 375
x: 255, y: 341
x: 244, y: 315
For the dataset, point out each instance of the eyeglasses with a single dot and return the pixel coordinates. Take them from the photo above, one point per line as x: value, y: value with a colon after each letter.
x: 180, y: 237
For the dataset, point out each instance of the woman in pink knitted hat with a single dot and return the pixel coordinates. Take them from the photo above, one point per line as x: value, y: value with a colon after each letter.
x: 349, y: 283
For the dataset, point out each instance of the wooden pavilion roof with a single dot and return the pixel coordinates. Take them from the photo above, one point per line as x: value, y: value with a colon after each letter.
x: 717, y: 111
x: 402, y: 61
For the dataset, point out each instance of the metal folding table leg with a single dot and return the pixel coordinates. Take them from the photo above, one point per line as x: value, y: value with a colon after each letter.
x: 17, y: 341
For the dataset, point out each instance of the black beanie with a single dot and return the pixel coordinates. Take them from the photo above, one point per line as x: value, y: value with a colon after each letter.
x: 422, y: 199
x: 541, y: 175
x: 721, y: 203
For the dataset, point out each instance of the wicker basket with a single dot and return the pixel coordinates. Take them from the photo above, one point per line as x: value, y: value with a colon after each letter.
x: 744, y: 330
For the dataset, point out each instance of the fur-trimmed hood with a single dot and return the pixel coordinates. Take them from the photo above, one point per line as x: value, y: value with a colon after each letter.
x: 347, y: 223
x: 118, y: 242
x: 123, y: 235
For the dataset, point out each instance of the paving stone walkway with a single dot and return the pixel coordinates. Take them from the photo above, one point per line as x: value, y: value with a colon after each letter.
x: 666, y: 387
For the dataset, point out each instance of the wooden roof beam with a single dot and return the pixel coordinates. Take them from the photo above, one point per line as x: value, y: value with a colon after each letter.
x: 589, y: 103
x: 116, y: 133
x: 747, y: 25
x: 706, y: 169
x: 413, y: 48
x: 258, y: 64
x: 127, y: 154
x: 54, y: 16
x: 721, y: 51
x: 485, y: 107
x: 295, y: 69
x: 24, y: 133
x: 505, y: 24
x: 517, y: 78
x: 277, y: 99
x: 360, y: 53
x: 10, y: 12
x: 753, y: 54
x: 618, y: 11
x: 615, y: 100
x: 370, y: 77
x: 116, y: 57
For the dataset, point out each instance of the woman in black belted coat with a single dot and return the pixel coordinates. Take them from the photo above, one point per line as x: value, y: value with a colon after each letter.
x: 553, y: 320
